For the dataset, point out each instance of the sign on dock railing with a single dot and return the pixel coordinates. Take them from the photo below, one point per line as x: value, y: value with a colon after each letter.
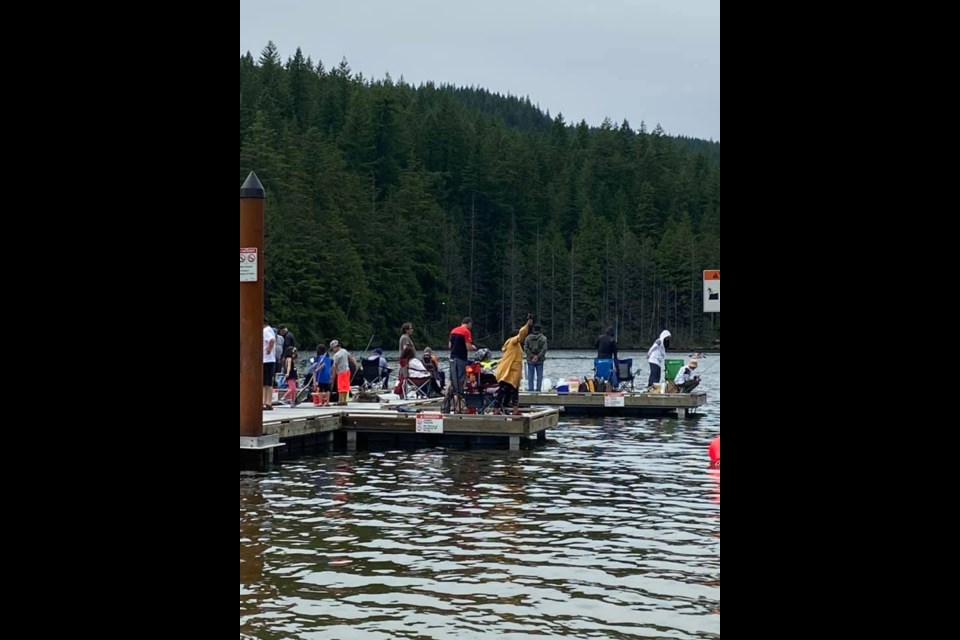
x: 429, y: 422
x: 613, y: 399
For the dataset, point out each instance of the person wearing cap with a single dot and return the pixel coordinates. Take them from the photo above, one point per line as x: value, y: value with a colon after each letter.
x: 341, y: 371
x: 686, y: 380
x: 535, y: 349
x: 384, y: 369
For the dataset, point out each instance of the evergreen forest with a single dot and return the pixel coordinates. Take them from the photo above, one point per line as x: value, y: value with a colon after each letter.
x: 388, y: 203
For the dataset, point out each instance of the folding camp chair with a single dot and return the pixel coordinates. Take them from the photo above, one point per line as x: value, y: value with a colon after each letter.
x: 604, y: 371
x: 372, y: 375
x: 625, y: 374
x: 421, y: 387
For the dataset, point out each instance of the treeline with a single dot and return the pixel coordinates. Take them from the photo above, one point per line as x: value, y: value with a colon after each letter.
x: 388, y: 203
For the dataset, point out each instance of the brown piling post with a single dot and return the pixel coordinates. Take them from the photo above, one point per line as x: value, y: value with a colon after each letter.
x: 251, y: 307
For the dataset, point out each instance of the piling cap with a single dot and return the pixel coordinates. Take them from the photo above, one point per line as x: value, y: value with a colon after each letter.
x: 251, y: 187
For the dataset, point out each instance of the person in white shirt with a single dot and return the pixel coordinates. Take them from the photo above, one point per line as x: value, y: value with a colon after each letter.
x: 686, y: 380
x: 655, y: 356
x: 269, y: 364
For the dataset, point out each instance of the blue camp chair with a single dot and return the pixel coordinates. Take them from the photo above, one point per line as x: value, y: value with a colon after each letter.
x: 603, y: 370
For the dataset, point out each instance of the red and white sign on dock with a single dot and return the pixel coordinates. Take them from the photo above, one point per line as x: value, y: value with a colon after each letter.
x: 429, y: 422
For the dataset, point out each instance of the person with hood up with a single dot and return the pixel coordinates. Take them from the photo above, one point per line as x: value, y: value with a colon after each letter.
x: 655, y: 357
x: 510, y: 370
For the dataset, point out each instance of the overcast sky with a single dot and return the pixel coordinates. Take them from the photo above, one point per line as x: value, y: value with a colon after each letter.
x: 656, y: 61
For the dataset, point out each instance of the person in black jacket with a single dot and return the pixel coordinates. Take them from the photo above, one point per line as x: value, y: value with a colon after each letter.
x: 607, y: 345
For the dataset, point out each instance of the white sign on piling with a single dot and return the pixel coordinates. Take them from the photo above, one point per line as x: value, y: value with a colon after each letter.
x: 248, y: 264
x: 429, y: 422
x: 711, y: 291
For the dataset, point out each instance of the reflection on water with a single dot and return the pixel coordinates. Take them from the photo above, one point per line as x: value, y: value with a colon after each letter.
x: 611, y: 530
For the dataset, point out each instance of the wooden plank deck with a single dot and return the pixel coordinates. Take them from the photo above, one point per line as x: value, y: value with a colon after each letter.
x: 528, y: 423
x: 634, y: 403
x: 304, y: 421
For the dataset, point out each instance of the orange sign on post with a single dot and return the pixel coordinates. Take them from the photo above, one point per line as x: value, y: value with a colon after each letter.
x: 711, y: 291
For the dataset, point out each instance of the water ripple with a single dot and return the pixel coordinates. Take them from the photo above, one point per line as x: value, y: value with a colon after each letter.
x: 611, y: 530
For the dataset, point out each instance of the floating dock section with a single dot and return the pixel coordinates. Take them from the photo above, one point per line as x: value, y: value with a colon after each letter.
x: 305, y: 429
x: 628, y: 403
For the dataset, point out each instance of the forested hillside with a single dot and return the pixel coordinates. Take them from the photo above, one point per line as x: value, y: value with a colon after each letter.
x: 388, y: 203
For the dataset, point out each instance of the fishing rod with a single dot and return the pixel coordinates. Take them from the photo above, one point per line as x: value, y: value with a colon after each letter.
x: 369, y: 342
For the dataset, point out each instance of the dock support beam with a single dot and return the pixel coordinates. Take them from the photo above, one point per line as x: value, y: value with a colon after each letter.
x: 351, y: 440
x: 514, y: 443
x: 542, y: 435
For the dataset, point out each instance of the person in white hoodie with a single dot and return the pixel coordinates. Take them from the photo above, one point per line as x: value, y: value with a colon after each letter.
x: 655, y: 356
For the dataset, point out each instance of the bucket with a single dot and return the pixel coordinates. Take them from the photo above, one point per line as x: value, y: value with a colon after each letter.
x: 316, y: 398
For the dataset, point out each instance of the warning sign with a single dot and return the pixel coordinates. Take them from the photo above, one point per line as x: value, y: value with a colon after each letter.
x: 429, y: 423
x: 711, y: 291
x: 248, y: 264
x: 613, y: 399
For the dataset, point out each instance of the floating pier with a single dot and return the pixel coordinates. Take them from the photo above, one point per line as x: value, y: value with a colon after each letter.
x: 307, y: 428
x: 628, y: 403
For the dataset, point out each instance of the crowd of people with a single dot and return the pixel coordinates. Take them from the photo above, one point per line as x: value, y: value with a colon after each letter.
x: 332, y: 369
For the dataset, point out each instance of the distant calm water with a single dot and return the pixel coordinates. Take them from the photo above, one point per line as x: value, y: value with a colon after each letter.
x: 610, y: 530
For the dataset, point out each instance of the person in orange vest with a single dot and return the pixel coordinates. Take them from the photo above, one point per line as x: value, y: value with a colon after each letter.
x: 714, y: 451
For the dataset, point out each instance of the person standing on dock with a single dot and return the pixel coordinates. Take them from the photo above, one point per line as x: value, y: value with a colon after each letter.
x: 405, y: 332
x: 289, y: 342
x: 321, y: 375
x: 269, y: 364
x: 607, y: 345
x: 655, y: 356
x: 461, y: 341
x: 510, y: 369
x: 290, y: 374
x: 535, y: 348
x: 341, y: 371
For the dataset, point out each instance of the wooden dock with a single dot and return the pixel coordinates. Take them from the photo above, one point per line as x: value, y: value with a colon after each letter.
x: 307, y: 428
x: 617, y: 404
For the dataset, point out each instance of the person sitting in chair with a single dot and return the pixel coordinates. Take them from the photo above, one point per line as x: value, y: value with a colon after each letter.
x: 384, y: 369
x: 432, y: 364
x: 418, y: 372
x: 686, y: 380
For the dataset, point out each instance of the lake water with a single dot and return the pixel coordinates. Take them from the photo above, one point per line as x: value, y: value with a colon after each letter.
x: 609, y: 530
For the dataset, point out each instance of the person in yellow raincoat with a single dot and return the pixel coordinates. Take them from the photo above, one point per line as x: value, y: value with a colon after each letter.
x: 510, y: 370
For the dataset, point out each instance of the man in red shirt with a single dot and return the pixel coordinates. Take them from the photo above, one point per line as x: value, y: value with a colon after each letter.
x: 461, y: 341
